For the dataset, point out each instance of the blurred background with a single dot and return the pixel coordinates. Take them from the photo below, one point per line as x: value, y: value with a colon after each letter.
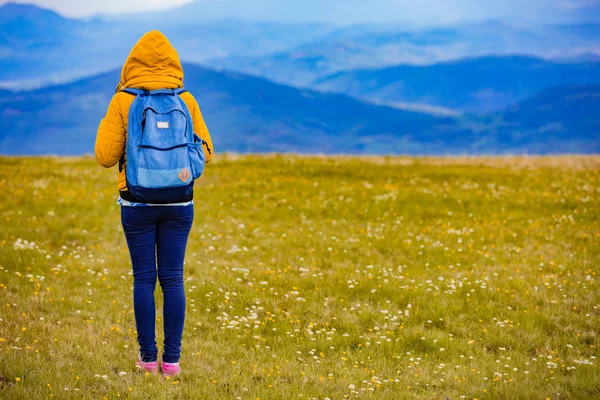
x: 317, y: 76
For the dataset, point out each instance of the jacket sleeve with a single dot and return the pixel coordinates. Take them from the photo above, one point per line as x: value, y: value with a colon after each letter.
x: 200, y: 128
x: 110, y: 140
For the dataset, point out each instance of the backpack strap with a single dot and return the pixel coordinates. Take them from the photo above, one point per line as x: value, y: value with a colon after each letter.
x: 198, y: 139
x: 133, y: 91
x: 170, y: 92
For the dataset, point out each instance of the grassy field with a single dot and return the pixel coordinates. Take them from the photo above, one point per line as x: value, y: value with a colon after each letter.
x: 315, y: 278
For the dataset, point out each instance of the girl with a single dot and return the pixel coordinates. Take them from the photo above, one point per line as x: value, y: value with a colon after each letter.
x: 156, y: 234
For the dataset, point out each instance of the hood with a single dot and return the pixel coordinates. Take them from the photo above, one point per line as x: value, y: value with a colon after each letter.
x: 152, y: 64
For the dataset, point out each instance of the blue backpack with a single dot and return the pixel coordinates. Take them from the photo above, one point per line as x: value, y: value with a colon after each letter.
x: 164, y: 156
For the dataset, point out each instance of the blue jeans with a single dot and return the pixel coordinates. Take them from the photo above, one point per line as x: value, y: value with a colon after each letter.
x: 158, y: 235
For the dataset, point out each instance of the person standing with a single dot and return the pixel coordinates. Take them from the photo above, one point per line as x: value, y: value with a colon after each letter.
x: 156, y: 133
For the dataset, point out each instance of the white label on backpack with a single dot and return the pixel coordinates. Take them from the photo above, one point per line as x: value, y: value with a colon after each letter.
x: 162, y: 125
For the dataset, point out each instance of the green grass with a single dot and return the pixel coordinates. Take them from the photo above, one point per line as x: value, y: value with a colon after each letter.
x: 314, y: 277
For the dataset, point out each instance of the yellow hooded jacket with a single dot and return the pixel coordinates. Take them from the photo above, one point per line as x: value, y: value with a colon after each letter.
x: 152, y: 64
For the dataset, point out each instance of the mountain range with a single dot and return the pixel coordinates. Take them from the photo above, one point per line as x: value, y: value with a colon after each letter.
x: 376, y: 47
x: 245, y: 114
x: 249, y: 114
x: 312, y: 87
x: 40, y: 47
x: 483, y: 84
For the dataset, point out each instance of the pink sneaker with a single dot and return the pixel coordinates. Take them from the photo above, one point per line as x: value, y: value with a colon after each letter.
x: 151, y: 367
x: 170, y: 369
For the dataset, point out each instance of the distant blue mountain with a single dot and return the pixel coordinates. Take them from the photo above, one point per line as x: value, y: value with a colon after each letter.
x: 39, y: 47
x: 555, y: 114
x: 564, y: 119
x: 28, y: 20
x: 481, y: 84
x: 375, y: 47
x: 247, y: 114
x: 523, y: 103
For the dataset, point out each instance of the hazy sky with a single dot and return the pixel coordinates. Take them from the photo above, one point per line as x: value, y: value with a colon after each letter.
x: 82, y: 8
x: 349, y: 11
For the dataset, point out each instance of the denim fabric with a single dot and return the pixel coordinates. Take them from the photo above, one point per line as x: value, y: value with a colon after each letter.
x: 158, y: 235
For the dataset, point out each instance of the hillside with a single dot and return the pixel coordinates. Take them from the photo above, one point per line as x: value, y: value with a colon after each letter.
x: 376, y: 47
x: 478, y: 85
x: 26, y: 25
x: 248, y: 114
x: 553, y: 118
x: 245, y: 114
x: 39, y: 47
x: 558, y: 120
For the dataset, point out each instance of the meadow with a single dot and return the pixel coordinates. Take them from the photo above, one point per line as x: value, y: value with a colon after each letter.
x: 314, y: 278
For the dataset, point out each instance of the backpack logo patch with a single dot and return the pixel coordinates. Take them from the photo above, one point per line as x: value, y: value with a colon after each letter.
x: 162, y: 125
x: 184, y: 175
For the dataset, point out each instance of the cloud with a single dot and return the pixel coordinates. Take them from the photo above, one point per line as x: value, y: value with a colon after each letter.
x: 79, y: 8
x: 578, y: 4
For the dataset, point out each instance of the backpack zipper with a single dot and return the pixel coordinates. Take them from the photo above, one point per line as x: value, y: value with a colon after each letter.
x: 145, y: 146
